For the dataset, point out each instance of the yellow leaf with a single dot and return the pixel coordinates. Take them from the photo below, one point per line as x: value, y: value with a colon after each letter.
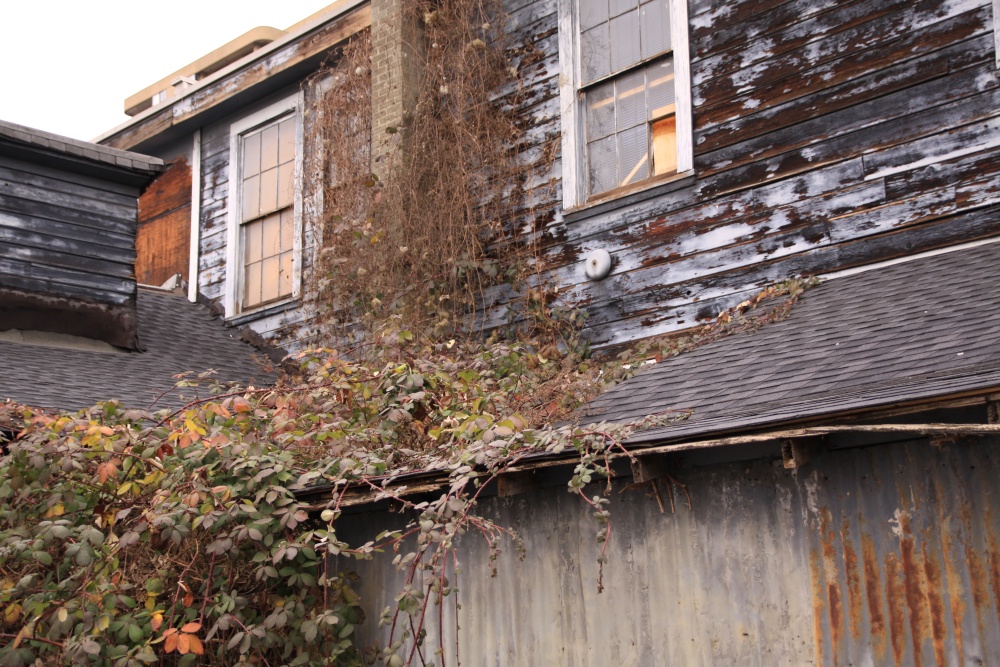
x: 156, y: 621
x: 62, y: 615
x: 107, y: 430
x: 124, y: 488
x: 56, y: 510
x: 151, y: 602
x: 12, y: 613
x: 103, y: 621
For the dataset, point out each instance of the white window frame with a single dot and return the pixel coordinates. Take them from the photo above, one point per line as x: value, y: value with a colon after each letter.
x: 574, y: 180
x: 996, y: 30
x: 234, y: 248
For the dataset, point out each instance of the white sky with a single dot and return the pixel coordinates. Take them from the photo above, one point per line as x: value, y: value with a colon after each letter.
x: 68, y: 65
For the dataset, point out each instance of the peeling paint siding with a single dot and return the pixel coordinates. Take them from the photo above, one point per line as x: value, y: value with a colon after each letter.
x: 886, y: 555
x: 798, y: 105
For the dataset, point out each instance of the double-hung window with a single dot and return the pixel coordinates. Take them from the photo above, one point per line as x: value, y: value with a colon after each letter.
x: 264, y: 209
x: 625, y: 96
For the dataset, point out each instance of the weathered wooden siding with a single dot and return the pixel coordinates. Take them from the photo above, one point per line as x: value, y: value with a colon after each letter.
x: 64, y: 233
x: 67, y: 245
x: 163, y: 238
x: 827, y: 136
x: 885, y: 555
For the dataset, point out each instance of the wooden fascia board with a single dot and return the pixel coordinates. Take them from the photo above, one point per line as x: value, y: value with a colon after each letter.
x: 216, y: 92
x: 434, y: 480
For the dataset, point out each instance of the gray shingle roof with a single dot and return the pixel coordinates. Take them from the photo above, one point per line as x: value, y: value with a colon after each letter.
x: 178, y: 336
x: 137, y: 162
x: 917, y: 330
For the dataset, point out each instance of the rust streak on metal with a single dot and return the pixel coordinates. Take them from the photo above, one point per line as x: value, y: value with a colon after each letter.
x: 935, y: 603
x: 956, y: 592
x: 993, y: 555
x: 913, y: 576
x: 897, y: 606
x: 816, y: 578
x: 855, y: 605
x: 873, y: 589
x: 836, y: 607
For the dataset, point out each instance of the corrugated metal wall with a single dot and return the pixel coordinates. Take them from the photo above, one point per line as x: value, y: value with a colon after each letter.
x: 886, y: 555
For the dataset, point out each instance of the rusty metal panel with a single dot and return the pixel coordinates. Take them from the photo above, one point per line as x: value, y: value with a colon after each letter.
x: 886, y: 555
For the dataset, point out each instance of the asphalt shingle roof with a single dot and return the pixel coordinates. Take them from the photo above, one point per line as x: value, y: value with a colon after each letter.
x: 177, y: 335
x: 917, y: 330
x: 144, y: 164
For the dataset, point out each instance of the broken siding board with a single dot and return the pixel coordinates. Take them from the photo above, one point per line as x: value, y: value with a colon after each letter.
x: 110, y: 243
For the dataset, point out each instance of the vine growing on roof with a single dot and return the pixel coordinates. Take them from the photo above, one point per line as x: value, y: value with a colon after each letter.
x: 129, y: 538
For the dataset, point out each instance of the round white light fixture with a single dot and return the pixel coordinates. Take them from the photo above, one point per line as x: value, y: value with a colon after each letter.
x: 598, y: 264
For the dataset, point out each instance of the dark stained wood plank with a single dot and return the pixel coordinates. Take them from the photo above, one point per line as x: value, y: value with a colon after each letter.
x: 170, y: 191
x: 163, y: 247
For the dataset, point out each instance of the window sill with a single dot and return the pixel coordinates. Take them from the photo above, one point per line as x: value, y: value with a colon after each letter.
x: 621, y: 199
x: 264, y: 311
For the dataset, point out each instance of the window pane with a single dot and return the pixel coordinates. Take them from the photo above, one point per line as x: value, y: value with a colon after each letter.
x: 272, y: 235
x: 631, y: 99
x: 661, y: 88
x: 593, y: 12
x: 655, y: 36
x: 251, y: 197
x: 633, y: 154
x: 594, y: 48
x: 251, y: 154
x: 601, y: 111
x: 286, y: 184
x: 625, y: 41
x: 251, y: 283
x: 286, y: 140
x: 269, y: 190
x: 252, y: 244
x: 287, y: 230
x: 286, y: 272
x: 602, y: 165
x: 269, y: 147
x: 621, y: 6
x: 269, y: 279
x: 665, y: 145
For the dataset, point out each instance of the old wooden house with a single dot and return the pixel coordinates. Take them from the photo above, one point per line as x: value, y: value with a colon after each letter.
x: 843, y: 507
